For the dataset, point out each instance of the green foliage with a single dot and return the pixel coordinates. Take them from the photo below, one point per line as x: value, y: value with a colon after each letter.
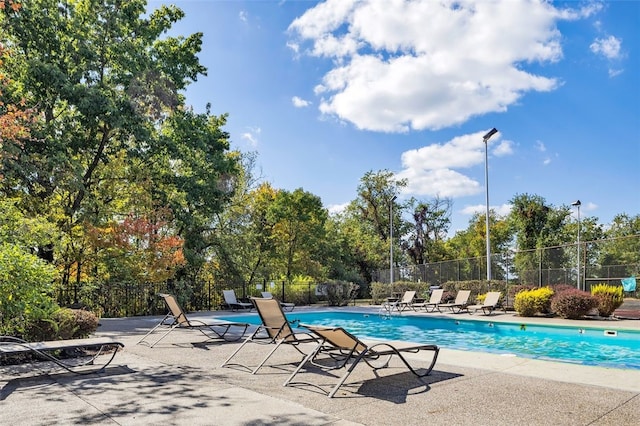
x: 623, y: 246
x: 113, y: 138
x: 62, y: 324
x: 338, y: 293
x: 25, y: 289
x: 573, y: 303
x: 530, y: 302
x: 430, y: 225
x: 609, y: 298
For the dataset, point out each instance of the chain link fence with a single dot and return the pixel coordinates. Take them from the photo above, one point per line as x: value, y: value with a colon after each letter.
x: 540, y: 267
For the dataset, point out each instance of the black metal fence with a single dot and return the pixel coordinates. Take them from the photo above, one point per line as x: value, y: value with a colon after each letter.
x: 133, y: 299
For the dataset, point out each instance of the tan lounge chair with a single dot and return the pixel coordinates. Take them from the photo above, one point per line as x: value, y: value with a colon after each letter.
x: 176, y: 318
x: 460, y: 304
x: 285, y: 305
x: 490, y: 303
x: 275, y: 330
x: 232, y: 302
x: 402, y: 304
x: 433, y: 302
x: 344, y: 350
x: 47, y: 350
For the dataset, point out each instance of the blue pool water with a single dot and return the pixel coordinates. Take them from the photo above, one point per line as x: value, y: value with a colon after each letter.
x: 587, y: 345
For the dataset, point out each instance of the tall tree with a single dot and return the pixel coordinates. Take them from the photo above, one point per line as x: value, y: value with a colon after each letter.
x: 623, y: 243
x: 431, y: 223
x: 105, y: 81
x: 298, y: 231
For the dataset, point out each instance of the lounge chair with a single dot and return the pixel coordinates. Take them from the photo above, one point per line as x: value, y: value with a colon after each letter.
x: 232, y: 302
x: 176, y: 318
x: 285, y: 305
x: 460, y: 304
x: 47, y: 350
x: 433, y: 302
x: 402, y: 304
x: 490, y: 303
x: 343, y: 349
x: 275, y: 330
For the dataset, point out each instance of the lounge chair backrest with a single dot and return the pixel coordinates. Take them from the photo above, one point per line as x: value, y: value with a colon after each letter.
x: 267, y: 295
x: 175, y: 309
x: 273, y: 318
x: 230, y: 297
x: 492, y: 299
x: 339, y: 337
x: 436, y: 296
x: 462, y: 297
x: 408, y: 296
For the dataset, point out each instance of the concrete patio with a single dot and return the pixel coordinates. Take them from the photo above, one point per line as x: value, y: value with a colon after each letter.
x: 180, y: 382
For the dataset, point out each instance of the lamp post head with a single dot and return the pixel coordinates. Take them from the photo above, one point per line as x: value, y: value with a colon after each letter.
x: 491, y: 132
x: 576, y: 203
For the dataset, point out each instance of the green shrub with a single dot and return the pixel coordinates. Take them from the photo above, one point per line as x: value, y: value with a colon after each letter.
x: 525, y: 303
x: 338, y: 293
x: 530, y: 302
x: 62, y: 324
x: 609, y: 298
x: 25, y: 290
x: 573, y: 303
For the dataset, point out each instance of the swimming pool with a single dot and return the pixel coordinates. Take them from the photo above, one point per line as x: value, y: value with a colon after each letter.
x: 587, y: 345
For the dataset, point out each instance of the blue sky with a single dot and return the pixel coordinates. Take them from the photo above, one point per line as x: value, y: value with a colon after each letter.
x: 327, y: 91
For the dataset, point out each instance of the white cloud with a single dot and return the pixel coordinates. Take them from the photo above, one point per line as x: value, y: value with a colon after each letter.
x: 546, y: 161
x: 501, y: 210
x: 337, y: 208
x: 401, y: 65
x: 429, y: 170
x: 243, y: 16
x: 589, y: 207
x: 608, y: 47
x: 540, y: 146
x: 504, y: 148
x: 615, y: 72
x: 251, y: 136
x: 299, y: 102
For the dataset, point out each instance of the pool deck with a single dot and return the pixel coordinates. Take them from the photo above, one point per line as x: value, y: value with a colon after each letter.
x: 180, y: 382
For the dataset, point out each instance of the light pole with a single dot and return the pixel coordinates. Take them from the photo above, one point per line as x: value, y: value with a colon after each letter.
x: 391, y: 240
x: 485, y: 139
x: 577, y: 204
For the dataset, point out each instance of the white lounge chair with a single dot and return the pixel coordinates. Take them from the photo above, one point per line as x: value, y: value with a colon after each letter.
x: 402, y: 304
x: 232, y: 302
x: 460, y: 304
x: 433, y: 302
x: 490, y: 303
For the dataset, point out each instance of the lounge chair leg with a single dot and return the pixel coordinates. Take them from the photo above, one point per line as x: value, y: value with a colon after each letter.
x: 306, y: 359
x: 154, y: 328
x: 267, y: 357
x: 247, y: 340
x: 346, y: 374
x: 164, y: 335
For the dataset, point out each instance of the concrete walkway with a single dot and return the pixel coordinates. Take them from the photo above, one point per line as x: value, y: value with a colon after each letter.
x: 180, y: 382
